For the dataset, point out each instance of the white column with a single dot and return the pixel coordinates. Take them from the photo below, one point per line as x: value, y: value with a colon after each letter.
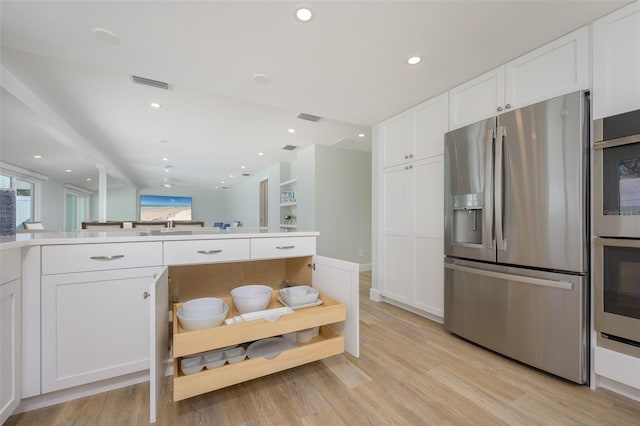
x: 102, y: 193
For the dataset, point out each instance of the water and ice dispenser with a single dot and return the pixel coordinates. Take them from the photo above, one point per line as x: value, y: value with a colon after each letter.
x: 467, y: 218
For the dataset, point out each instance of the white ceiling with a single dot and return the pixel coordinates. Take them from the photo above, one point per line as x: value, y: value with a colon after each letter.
x: 69, y: 97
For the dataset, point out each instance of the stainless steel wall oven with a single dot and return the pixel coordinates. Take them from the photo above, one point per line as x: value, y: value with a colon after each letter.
x: 616, y: 195
x: 617, y: 292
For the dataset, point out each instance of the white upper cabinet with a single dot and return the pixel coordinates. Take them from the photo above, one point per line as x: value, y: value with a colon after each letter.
x: 396, y: 137
x: 477, y: 99
x: 414, y: 134
x: 616, y: 62
x: 430, y: 122
x: 555, y: 69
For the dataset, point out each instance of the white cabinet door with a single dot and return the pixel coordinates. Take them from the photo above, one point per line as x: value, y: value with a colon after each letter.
x: 395, y: 250
x: 396, y: 139
x: 477, y: 99
x: 616, y: 62
x: 10, y: 348
x: 158, y: 339
x: 430, y: 122
x: 555, y: 69
x: 95, y: 325
x: 428, y: 239
x: 340, y: 280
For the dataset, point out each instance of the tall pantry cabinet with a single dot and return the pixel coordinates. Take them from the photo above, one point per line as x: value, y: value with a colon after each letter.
x: 410, y: 192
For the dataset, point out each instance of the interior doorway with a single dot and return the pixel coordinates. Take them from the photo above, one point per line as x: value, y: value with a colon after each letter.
x: 264, y: 203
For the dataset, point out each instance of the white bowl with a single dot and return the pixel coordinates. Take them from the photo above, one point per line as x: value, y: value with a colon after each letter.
x: 251, y: 298
x: 299, y: 295
x: 191, y: 324
x: 191, y: 365
x: 201, y: 308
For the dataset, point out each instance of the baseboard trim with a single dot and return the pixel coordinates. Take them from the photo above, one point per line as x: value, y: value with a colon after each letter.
x: 65, y: 395
x: 365, y: 267
x: 617, y: 387
x: 376, y: 296
x: 76, y: 392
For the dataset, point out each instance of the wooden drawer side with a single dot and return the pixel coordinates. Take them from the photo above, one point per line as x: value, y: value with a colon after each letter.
x: 328, y: 343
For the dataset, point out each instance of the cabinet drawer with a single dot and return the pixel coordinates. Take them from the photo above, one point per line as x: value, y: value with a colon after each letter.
x: 100, y: 257
x: 206, y: 251
x: 9, y: 265
x: 272, y: 248
x: 328, y: 343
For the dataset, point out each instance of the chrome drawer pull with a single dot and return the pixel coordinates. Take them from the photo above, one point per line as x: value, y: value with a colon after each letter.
x: 114, y: 257
x: 284, y: 247
x: 209, y: 251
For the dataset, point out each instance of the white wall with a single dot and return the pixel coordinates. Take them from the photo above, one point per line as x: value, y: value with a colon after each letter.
x: 243, y: 200
x: 52, y: 207
x: 343, y: 203
x: 304, y: 170
x: 121, y: 203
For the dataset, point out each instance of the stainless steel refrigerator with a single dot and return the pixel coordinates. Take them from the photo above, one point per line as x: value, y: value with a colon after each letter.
x: 516, y: 240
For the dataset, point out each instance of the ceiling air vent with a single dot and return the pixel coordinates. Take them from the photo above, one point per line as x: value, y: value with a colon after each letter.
x: 289, y: 147
x: 246, y: 174
x: 309, y: 117
x: 148, y: 82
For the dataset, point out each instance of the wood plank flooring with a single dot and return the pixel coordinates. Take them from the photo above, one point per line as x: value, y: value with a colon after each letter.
x: 410, y: 372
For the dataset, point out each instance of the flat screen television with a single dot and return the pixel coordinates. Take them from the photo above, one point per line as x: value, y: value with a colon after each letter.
x: 163, y: 207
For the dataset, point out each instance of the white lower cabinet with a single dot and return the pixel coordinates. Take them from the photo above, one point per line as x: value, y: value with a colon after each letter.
x: 411, y: 249
x: 10, y: 348
x: 95, y: 325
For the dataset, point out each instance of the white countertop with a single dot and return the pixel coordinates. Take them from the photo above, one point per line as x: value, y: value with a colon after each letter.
x: 132, y: 235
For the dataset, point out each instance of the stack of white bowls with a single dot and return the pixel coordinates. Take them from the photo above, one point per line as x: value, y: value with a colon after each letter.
x: 251, y: 298
x: 299, y: 295
x: 201, y: 313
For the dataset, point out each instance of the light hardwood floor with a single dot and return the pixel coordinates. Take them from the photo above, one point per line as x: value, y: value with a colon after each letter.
x: 410, y: 372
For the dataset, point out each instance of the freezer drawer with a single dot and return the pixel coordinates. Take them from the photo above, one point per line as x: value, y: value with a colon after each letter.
x: 535, y: 317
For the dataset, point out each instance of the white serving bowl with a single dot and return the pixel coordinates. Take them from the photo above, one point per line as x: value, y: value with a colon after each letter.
x: 299, y: 295
x: 191, y: 324
x: 204, y: 307
x: 251, y: 298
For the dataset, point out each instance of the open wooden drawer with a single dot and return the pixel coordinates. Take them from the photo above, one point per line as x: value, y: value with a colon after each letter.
x: 327, y: 343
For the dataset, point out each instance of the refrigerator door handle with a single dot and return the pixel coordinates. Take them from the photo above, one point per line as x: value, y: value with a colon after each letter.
x: 563, y: 285
x: 489, y: 236
x: 498, y: 185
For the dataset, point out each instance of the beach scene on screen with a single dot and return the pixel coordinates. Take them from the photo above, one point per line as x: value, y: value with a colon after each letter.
x: 162, y: 207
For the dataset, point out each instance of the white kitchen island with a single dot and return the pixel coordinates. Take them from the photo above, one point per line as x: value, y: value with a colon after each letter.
x: 88, y: 321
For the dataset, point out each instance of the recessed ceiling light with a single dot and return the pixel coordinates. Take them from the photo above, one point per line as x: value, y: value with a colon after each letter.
x: 105, y: 36
x: 261, y: 153
x: 242, y: 167
x: 165, y: 159
x: 37, y: 156
x: 261, y: 78
x: 167, y: 170
x: 155, y: 105
x: 221, y: 181
x: 88, y: 179
x: 68, y: 170
x: 304, y: 14
x: 414, y: 60
x: 231, y: 176
x: 167, y: 185
x: 361, y: 135
x: 291, y: 130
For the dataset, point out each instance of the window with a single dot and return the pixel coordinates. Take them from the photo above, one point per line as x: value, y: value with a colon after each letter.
x: 77, y: 203
x: 25, y: 197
